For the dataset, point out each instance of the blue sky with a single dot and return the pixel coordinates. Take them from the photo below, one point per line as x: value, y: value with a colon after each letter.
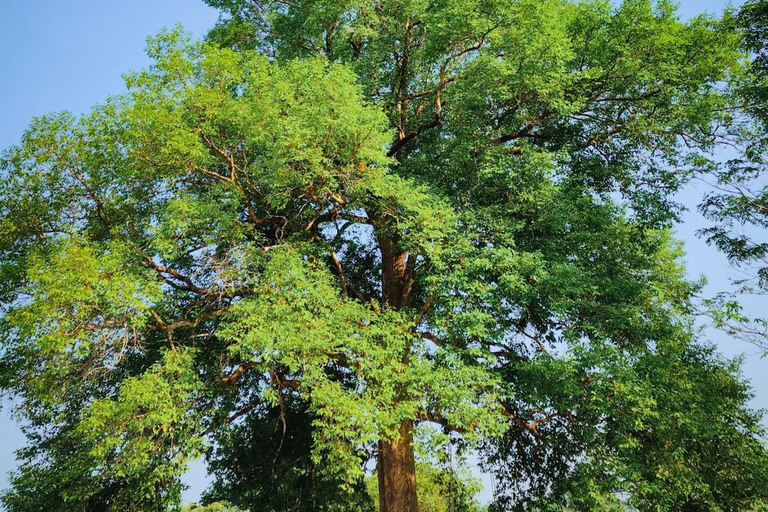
x: 69, y: 55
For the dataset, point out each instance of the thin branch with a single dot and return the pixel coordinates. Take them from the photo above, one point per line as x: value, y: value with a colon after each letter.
x: 189, y: 284
x: 532, y: 428
x: 340, y: 272
x: 439, y: 420
x: 232, y: 377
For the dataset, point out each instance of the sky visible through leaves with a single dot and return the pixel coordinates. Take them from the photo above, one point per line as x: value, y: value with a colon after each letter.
x: 70, y: 55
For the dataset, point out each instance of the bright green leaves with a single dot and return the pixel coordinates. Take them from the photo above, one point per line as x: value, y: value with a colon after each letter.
x: 123, y: 452
x: 207, y: 218
x: 363, y: 370
x: 85, y: 309
x: 42, y: 187
x: 147, y: 432
x: 604, y: 91
x: 299, y: 328
x: 526, y: 63
x: 283, y: 130
x: 241, y: 143
x: 127, y: 238
x: 293, y: 298
x: 79, y: 291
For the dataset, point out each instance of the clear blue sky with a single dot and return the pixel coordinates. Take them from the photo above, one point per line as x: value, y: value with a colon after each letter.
x: 69, y: 55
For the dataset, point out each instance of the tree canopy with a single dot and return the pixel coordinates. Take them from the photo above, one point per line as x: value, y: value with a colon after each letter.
x: 336, y: 232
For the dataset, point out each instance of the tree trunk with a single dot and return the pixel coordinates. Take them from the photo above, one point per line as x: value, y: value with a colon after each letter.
x: 397, y: 472
x: 396, y: 274
x: 396, y: 464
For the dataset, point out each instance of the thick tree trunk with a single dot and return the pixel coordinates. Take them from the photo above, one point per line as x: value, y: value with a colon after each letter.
x: 397, y: 472
x: 396, y: 274
x: 396, y: 465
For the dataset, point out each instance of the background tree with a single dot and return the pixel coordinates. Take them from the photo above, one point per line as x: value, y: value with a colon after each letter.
x: 403, y: 214
x: 265, y: 463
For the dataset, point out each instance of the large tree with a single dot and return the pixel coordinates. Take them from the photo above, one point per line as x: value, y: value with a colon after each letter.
x: 388, y: 215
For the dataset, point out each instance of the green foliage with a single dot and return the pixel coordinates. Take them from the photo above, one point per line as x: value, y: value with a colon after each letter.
x: 265, y: 463
x: 606, y: 91
x: 677, y: 437
x: 212, y: 507
x: 285, y: 246
x: 93, y: 337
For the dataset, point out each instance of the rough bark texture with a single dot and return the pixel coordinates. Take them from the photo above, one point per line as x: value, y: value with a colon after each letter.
x: 397, y: 465
x: 397, y: 472
x: 396, y: 274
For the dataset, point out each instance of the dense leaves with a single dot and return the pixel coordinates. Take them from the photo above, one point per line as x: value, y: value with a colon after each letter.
x: 265, y: 464
x: 675, y: 436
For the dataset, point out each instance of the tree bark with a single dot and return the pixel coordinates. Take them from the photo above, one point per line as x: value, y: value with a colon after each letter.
x: 396, y: 274
x: 396, y: 462
x: 397, y: 472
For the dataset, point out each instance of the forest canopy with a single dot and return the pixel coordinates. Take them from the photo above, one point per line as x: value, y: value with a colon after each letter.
x: 338, y: 244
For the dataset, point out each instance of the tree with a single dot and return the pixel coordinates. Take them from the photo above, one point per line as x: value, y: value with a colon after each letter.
x: 398, y: 214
